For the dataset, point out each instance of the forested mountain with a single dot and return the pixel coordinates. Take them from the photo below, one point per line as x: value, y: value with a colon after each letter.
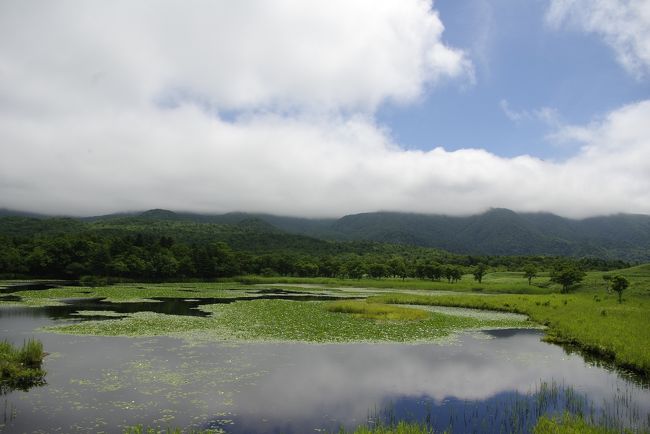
x: 504, y: 232
x: 496, y: 232
x: 161, y: 244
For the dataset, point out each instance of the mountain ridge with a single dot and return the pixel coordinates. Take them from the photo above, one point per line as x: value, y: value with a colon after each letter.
x: 498, y: 231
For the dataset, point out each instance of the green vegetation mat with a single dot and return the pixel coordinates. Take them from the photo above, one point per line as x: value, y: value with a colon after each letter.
x: 284, y: 320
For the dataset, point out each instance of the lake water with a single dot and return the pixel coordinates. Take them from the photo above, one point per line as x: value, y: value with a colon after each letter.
x: 494, y: 381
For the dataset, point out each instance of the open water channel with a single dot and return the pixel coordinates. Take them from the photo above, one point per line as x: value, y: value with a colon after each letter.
x: 492, y: 381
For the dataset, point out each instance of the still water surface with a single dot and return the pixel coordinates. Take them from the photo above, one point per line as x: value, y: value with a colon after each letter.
x: 494, y: 381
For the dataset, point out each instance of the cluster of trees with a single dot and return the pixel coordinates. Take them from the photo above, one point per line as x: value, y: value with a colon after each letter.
x: 567, y: 275
x: 616, y: 283
x: 74, y: 255
x: 140, y: 256
x: 145, y: 257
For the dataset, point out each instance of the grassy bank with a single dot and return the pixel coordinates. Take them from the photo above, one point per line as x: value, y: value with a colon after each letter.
x: 589, y: 318
x: 597, y: 324
x: 499, y: 282
x: 21, y: 368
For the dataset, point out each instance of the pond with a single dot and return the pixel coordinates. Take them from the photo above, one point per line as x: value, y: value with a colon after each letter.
x: 490, y: 381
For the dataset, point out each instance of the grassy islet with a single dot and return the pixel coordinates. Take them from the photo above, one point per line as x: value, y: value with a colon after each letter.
x: 21, y: 368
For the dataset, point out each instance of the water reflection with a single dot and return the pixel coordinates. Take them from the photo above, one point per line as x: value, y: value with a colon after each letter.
x: 474, y: 375
x: 102, y: 383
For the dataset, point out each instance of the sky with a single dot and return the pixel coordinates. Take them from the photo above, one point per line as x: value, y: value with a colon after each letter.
x: 321, y: 109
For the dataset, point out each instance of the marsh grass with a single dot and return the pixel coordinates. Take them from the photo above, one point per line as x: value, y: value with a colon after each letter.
x: 376, y: 311
x: 570, y: 424
x: 20, y: 368
x: 401, y: 427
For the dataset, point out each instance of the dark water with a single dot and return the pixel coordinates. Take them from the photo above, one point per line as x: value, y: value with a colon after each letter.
x: 164, y: 305
x: 34, y: 286
x: 496, y: 381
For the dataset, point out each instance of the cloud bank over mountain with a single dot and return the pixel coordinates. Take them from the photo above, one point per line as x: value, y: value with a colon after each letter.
x: 254, y: 106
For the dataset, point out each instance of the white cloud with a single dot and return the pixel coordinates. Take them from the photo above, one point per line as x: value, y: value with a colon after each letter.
x: 185, y: 159
x: 242, y: 55
x: 120, y: 106
x: 623, y: 24
x: 547, y: 115
x: 511, y: 114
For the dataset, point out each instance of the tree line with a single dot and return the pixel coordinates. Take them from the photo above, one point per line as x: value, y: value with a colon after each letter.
x: 149, y: 257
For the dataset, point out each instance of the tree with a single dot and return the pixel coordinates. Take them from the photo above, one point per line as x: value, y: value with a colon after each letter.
x: 354, y: 268
x: 457, y: 274
x: 453, y: 274
x: 397, y: 267
x: 608, y: 280
x: 377, y: 270
x: 306, y: 268
x: 567, y: 275
x: 619, y: 283
x: 530, y: 272
x: 39, y: 261
x: 329, y: 267
x: 479, y: 272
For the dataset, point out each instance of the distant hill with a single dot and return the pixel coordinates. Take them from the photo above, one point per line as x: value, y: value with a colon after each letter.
x: 243, y: 232
x: 504, y: 232
x: 495, y: 232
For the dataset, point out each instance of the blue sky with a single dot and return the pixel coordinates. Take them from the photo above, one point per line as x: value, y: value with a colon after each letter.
x: 325, y: 108
x: 520, y: 59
